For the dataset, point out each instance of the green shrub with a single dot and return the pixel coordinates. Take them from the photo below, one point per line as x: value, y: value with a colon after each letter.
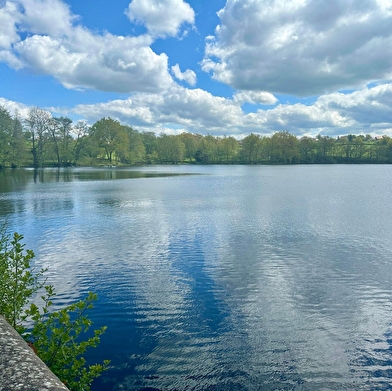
x: 56, y: 336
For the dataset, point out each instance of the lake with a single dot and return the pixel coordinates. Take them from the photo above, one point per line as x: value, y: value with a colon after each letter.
x: 220, y: 277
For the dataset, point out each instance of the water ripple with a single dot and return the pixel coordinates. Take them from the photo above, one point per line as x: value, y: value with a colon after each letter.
x: 249, y: 278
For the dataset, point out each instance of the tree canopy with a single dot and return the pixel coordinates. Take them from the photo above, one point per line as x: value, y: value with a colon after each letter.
x: 43, y: 140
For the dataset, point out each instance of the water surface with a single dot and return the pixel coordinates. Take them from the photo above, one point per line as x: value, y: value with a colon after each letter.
x: 221, y: 277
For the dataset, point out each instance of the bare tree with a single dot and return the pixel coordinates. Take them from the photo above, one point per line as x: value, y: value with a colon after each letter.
x: 39, y: 123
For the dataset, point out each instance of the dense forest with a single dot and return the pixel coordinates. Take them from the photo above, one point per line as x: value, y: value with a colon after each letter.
x: 42, y: 140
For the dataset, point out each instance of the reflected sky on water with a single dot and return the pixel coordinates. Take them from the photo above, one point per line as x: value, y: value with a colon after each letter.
x: 220, y: 277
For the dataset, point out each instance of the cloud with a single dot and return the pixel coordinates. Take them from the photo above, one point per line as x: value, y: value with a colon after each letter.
x: 106, y: 63
x: 193, y: 110
x: 368, y: 107
x: 254, y: 97
x: 9, y: 16
x: 75, y: 56
x: 197, y: 111
x: 161, y: 17
x: 188, y: 76
x: 47, y: 17
x: 15, y: 107
x: 301, y: 47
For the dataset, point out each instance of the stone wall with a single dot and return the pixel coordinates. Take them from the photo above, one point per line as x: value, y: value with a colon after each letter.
x: 20, y: 368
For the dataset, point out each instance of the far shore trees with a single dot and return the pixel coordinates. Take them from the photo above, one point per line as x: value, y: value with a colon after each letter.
x: 42, y: 140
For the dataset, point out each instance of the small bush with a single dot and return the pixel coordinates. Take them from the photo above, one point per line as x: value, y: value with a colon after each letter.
x: 56, y: 336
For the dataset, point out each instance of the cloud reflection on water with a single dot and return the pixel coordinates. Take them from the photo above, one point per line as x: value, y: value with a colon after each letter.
x: 267, y: 276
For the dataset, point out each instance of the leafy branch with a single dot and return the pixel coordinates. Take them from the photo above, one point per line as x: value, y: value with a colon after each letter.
x: 57, y: 336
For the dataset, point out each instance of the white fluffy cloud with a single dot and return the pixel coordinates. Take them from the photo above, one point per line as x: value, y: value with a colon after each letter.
x: 180, y: 109
x: 364, y: 111
x: 106, y: 63
x: 261, y: 48
x: 301, y: 47
x: 188, y: 76
x: 15, y: 107
x: 9, y: 17
x: 367, y: 108
x: 255, y: 97
x: 194, y: 110
x: 161, y: 17
x: 48, y: 17
x: 75, y: 56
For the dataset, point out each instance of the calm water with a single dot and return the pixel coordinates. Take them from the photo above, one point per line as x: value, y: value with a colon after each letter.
x: 232, y: 278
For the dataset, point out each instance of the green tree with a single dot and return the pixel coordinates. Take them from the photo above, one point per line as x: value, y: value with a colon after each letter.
x: 251, y: 150
x: 5, y: 136
x: 61, y: 129
x: 325, y: 145
x: 81, y: 131
x: 136, y: 153
x: 307, y: 149
x: 192, y: 143
x: 382, y: 149
x: 285, y: 148
x: 388, y: 151
x: 228, y: 147
x: 150, y: 143
x: 111, y: 136
x: 18, y: 142
x: 170, y: 149
x: 208, y: 150
x: 53, y: 147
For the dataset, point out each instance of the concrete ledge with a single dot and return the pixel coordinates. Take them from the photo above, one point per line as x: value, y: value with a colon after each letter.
x: 20, y: 368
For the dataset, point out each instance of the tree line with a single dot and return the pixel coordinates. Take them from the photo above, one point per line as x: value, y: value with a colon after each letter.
x: 43, y: 140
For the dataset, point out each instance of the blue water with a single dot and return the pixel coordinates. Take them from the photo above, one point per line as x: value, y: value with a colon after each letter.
x: 220, y: 277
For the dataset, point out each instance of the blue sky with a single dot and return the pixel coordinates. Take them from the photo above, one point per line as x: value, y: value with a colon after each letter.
x: 220, y: 67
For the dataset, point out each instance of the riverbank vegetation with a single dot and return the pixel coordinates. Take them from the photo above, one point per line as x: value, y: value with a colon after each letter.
x: 57, y: 337
x: 42, y: 140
